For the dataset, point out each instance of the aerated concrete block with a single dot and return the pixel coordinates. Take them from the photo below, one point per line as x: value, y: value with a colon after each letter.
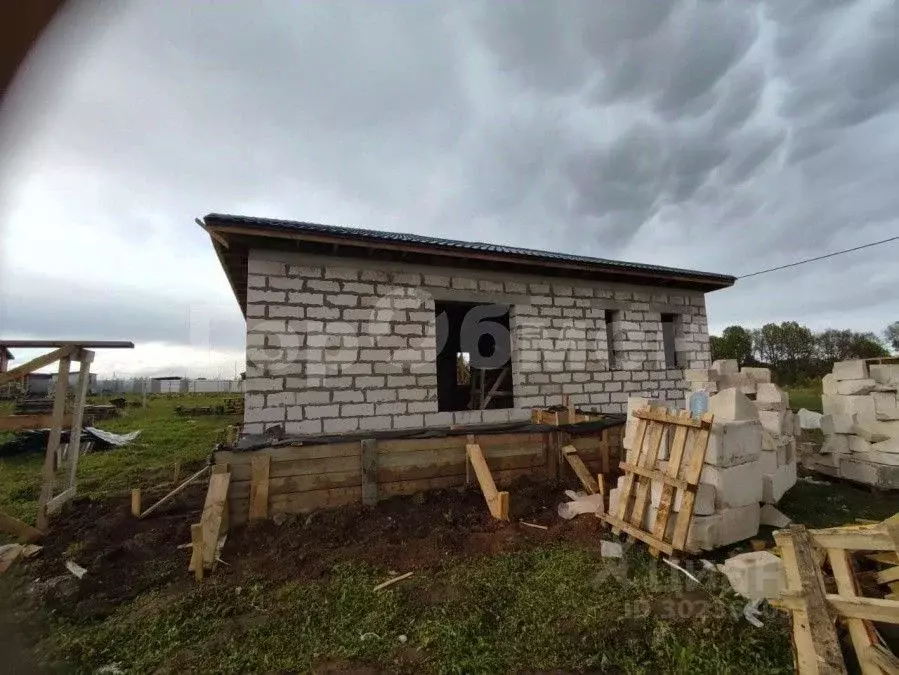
x: 732, y: 443
x: 850, y: 370
x: 776, y: 422
x: 731, y: 405
x: 885, y: 373
x: 877, y: 475
x: 858, y: 444
x: 756, y: 575
x: 860, y: 406
x: 889, y: 446
x: 757, y: 375
x: 775, y: 485
x: 828, y: 385
x: 704, y: 505
x: 855, y: 387
x: 735, y: 486
x: 726, y: 367
x: 836, y: 424
x: 771, y: 397
x: 738, y: 524
x: 700, y: 375
x: 768, y: 461
x: 886, y: 406
x: 738, y: 381
x: 869, y: 431
x: 835, y: 443
x: 886, y: 458
x: 831, y: 404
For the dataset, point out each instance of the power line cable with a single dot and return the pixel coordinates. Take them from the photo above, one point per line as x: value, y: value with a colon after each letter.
x: 820, y: 257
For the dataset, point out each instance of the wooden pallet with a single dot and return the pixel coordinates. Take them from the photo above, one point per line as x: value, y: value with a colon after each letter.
x: 681, y: 476
x: 817, y: 647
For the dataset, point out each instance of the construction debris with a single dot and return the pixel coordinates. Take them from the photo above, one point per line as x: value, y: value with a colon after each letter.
x: 755, y: 575
x: 390, y: 582
x: 860, y: 424
x: 75, y: 569
x: 583, y: 504
x: 534, y: 525
x: 770, y: 516
x: 610, y: 549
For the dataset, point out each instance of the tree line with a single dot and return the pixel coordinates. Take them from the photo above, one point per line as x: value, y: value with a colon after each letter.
x: 795, y: 353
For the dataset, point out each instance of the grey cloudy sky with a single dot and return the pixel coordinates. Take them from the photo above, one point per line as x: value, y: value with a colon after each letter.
x: 724, y: 136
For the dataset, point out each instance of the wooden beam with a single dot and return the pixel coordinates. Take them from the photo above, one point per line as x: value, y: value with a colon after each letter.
x: 497, y: 502
x: 637, y: 533
x: 580, y: 469
x: 84, y: 344
x: 854, y: 539
x: 24, y: 422
x: 135, y: 502
x: 872, y: 609
x: 260, y: 467
x: 655, y: 475
x: 861, y: 632
x: 214, y: 517
x: 495, y: 387
x: 656, y: 415
x: 35, y: 364
x: 19, y: 529
x: 175, y: 491
x: 81, y: 391
x: 57, y: 502
x: 52, y: 452
x: 196, y: 552
x: 691, y: 474
x: 368, y: 448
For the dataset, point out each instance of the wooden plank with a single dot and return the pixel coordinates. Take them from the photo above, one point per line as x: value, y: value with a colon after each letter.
x: 655, y: 475
x: 59, y: 500
x: 495, y: 387
x: 648, y: 459
x: 577, y: 465
x: 691, y: 473
x: 666, y: 502
x: 259, y: 487
x: 883, y: 658
x: 81, y: 391
x: 213, y: 514
x: 298, y: 503
x: 862, y: 634
x: 51, y: 457
x: 26, y: 422
x: 627, y: 488
x: 866, y: 539
x: 826, y: 647
x: 660, y: 415
x: 485, y: 479
x: 289, y: 453
x: 298, y: 484
x: 174, y: 492
x: 45, y: 344
x: 19, y: 529
x: 888, y: 558
x: 369, y: 457
x: 299, y: 467
x: 886, y: 576
x: 196, y: 553
x: 135, y: 502
x: 35, y: 364
x: 637, y: 533
x: 872, y: 609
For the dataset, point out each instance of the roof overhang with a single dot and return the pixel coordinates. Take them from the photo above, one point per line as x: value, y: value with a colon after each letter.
x: 233, y: 236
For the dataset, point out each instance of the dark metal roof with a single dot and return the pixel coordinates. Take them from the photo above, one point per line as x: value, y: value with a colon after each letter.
x: 378, y: 236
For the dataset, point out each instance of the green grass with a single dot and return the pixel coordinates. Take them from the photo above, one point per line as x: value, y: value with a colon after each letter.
x: 545, y: 609
x: 808, y: 397
x: 166, y: 439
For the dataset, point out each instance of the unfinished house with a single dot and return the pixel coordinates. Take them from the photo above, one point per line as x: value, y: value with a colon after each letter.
x: 355, y: 331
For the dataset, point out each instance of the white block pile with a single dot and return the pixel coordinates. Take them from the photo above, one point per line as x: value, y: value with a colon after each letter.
x: 860, y: 424
x: 751, y: 455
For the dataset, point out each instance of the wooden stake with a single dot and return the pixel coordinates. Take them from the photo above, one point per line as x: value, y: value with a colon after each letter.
x: 84, y: 380
x: 259, y: 472
x: 135, y: 502
x: 50, y: 459
x: 534, y: 525
x: 390, y: 582
x: 580, y: 469
x: 174, y: 492
x: 196, y: 553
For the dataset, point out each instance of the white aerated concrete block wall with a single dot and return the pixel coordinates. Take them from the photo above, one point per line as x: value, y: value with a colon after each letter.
x: 341, y: 344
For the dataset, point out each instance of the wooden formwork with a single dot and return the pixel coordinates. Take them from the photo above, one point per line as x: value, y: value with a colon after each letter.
x: 301, y: 478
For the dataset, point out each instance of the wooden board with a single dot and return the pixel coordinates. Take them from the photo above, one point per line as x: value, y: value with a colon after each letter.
x: 51, y: 459
x: 496, y: 502
x: 369, y: 458
x: 214, y: 514
x: 35, y: 364
x: 691, y: 473
x: 860, y: 631
x: 580, y: 470
x: 628, y: 486
x: 259, y: 487
x: 19, y: 529
x: 672, y: 471
x: 648, y: 459
x: 26, y: 422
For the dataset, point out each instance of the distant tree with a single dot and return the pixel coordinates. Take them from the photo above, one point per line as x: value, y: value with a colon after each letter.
x: 867, y: 346
x: 735, y: 343
x: 891, y: 334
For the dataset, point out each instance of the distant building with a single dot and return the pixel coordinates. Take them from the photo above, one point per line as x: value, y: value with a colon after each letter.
x: 174, y: 384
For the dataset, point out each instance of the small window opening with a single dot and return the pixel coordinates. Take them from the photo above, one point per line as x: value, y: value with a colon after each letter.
x: 668, y: 341
x: 611, y: 322
x: 474, y: 367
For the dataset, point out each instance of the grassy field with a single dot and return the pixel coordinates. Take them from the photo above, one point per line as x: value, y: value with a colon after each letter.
x: 808, y: 397
x: 556, y: 606
x: 165, y: 440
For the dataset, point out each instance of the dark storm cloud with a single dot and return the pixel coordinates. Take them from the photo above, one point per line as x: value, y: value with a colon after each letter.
x: 725, y: 135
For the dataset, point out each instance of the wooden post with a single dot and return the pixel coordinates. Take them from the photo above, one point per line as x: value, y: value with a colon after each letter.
x: 84, y: 380
x: 135, y: 502
x: 497, y: 502
x: 369, y: 450
x: 50, y: 459
x: 196, y: 553
x: 260, y: 465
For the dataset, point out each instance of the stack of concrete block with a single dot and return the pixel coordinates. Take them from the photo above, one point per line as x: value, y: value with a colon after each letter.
x: 779, y: 429
x: 860, y: 424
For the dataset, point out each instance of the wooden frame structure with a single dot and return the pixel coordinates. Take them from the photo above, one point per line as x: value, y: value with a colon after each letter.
x: 314, y: 474
x: 805, y: 553
x: 680, y: 476
x: 64, y: 352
